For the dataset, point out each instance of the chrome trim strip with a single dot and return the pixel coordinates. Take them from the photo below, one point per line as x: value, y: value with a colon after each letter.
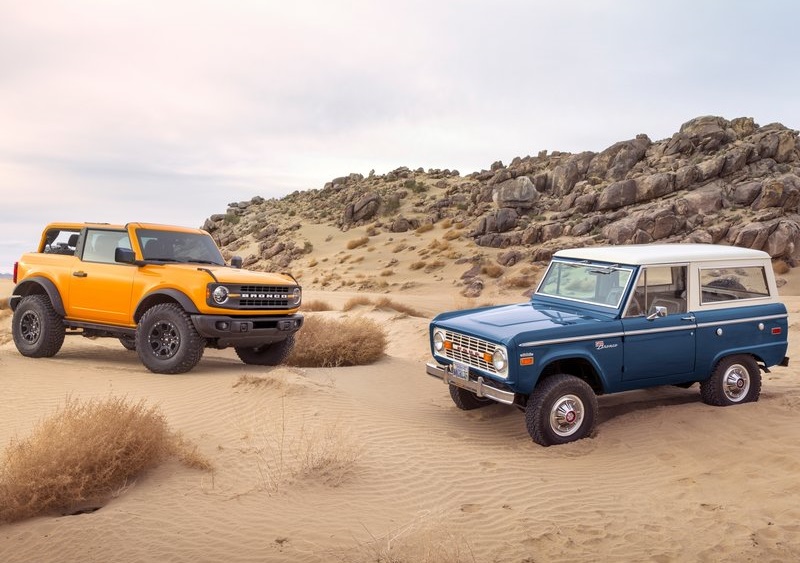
x: 738, y: 321
x: 572, y: 339
x: 662, y: 329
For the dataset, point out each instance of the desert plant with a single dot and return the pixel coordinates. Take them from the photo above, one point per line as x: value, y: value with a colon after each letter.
x: 325, y: 342
x: 355, y: 243
x: 85, y: 454
x: 386, y: 303
x: 424, y: 228
x: 317, y: 305
x: 354, y: 302
x: 418, y: 265
x: 492, y: 270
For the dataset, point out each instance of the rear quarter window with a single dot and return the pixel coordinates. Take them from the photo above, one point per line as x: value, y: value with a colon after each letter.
x: 731, y: 284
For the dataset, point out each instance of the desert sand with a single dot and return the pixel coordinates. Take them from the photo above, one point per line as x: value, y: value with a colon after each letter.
x: 665, y: 477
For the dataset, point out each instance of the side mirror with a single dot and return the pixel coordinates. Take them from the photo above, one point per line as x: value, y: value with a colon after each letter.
x: 236, y: 262
x: 659, y: 312
x: 124, y: 255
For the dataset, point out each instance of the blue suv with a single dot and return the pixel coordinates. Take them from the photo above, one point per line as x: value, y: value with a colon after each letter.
x: 612, y: 319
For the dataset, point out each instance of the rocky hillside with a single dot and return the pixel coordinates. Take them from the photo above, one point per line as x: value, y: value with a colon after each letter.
x: 715, y: 181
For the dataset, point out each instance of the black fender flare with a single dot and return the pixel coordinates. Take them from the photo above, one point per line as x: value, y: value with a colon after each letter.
x: 39, y: 285
x: 164, y: 296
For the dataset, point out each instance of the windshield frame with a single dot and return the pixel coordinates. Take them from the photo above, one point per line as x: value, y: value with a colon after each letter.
x: 557, y: 266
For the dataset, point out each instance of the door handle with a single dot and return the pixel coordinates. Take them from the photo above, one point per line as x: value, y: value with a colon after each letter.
x: 80, y: 274
x: 689, y: 318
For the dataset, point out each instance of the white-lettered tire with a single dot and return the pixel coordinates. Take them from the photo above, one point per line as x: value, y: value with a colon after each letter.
x: 167, y: 341
x: 37, y: 329
x: 561, y: 409
x: 267, y: 355
x: 735, y: 380
x: 467, y: 400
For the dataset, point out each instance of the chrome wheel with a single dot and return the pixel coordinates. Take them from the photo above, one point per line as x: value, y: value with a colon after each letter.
x: 164, y: 339
x: 567, y: 414
x: 30, y: 327
x: 736, y: 383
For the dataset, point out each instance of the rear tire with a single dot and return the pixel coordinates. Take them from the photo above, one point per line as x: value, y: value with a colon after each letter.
x: 167, y: 341
x: 467, y: 400
x: 561, y: 409
x: 267, y: 355
x: 37, y: 329
x: 736, y: 380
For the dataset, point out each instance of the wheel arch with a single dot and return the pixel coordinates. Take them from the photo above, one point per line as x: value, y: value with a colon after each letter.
x: 578, y: 366
x: 164, y: 296
x: 41, y: 286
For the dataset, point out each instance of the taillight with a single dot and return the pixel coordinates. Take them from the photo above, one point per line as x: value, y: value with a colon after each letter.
x: 16, y: 268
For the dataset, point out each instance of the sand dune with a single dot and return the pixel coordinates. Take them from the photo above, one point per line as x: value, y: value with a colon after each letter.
x: 666, y: 478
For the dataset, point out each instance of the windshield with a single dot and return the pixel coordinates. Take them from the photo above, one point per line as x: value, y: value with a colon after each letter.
x: 598, y: 284
x: 172, y: 246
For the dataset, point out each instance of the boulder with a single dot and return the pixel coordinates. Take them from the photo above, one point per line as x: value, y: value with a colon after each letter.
x: 616, y: 195
x: 518, y: 192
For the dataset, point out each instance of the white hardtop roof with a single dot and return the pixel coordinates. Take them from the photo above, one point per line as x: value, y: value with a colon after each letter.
x: 644, y: 254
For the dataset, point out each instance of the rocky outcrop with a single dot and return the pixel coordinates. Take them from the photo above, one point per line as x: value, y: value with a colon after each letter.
x: 714, y: 180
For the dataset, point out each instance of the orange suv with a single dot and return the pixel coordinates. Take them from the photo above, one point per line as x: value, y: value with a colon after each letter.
x: 163, y: 291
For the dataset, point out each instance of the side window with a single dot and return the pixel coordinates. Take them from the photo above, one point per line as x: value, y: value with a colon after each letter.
x: 101, y: 245
x: 61, y: 241
x: 728, y: 284
x: 659, y: 286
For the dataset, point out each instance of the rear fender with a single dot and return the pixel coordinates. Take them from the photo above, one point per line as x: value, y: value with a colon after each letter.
x: 41, y: 286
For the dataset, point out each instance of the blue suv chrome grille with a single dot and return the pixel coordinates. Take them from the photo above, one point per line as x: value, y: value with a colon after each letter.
x: 470, y: 350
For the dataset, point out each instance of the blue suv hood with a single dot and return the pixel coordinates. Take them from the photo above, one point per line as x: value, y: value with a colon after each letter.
x: 501, y: 324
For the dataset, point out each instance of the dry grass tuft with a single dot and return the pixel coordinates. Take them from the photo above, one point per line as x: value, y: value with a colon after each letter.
x: 4, y: 304
x: 84, y: 455
x: 418, y: 265
x: 424, y: 228
x: 316, y: 305
x: 355, y: 341
x: 418, y: 542
x: 355, y: 243
x: 386, y: 303
x: 287, y: 450
x: 492, y: 270
x: 452, y: 234
x: 360, y: 301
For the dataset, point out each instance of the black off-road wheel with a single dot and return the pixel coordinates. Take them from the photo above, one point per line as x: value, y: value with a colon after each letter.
x: 37, y: 329
x: 467, y: 400
x: 736, y: 380
x: 267, y: 355
x: 167, y: 341
x: 128, y: 342
x: 561, y: 409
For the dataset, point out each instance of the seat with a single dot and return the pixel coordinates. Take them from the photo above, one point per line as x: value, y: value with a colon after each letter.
x: 155, y: 249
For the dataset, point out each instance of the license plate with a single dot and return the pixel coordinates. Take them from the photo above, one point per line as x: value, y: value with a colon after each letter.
x: 461, y: 371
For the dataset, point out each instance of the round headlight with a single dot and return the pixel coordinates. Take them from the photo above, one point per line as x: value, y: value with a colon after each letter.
x: 296, y: 296
x: 220, y: 294
x: 438, y: 341
x: 500, y: 360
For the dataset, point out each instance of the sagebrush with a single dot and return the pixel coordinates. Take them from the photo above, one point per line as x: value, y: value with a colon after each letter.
x: 84, y: 455
x: 326, y: 342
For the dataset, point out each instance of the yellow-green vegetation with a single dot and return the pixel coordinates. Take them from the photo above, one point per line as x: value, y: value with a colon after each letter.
x: 325, y: 342
x: 84, y: 455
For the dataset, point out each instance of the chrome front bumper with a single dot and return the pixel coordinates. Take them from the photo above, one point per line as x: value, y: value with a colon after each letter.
x: 479, y: 387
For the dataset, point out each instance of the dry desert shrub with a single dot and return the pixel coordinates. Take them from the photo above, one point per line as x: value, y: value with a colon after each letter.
x: 399, y: 247
x: 419, y: 542
x: 446, y: 223
x: 84, y: 455
x: 418, y: 265
x: 387, y: 272
x: 452, y: 234
x: 353, y: 302
x: 355, y: 243
x: 286, y: 450
x: 386, y: 303
x: 435, y: 265
x: 779, y: 267
x: 492, y: 270
x: 355, y: 341
x: 317, y: 305
x: 424, y: 228
x: 3, y: 303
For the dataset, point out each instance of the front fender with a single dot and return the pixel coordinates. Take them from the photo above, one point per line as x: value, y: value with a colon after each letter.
x: 164, y: 296
x: 581, y: 361
x: 38, y: 285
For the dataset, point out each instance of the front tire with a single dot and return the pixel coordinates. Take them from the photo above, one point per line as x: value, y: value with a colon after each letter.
x: 37, y: 329
x: 167, y: 341
x: 736, y: 380
x: 467, y: 400
x: 267, y: 355
x: 561, y: 409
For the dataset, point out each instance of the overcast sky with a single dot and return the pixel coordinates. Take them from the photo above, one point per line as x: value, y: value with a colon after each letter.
x: 166, y: 111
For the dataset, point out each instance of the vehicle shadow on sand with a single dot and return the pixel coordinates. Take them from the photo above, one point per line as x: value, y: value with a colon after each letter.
x: 613, y: 406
